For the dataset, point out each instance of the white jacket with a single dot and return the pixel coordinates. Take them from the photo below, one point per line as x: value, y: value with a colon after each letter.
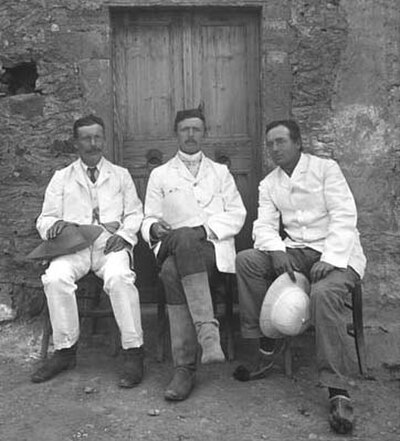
x: 213, y: 190
x: 317, y: 209
x: 68, y: 198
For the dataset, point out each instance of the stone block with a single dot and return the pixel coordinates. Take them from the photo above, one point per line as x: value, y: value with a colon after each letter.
x: 382, y: 344
x: 28, y: 105
x: 7, y: 311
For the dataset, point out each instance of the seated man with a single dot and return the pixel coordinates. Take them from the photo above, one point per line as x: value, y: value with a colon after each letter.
x: 93, y: 191
x: 309, y: 198
x: 193, y: 210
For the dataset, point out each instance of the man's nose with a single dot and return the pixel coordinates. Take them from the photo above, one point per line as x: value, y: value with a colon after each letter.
x: 275, y: 146
x: 93, y: 141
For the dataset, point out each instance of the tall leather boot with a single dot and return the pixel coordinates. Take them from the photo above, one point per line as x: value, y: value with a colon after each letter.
x: 61, y: 360
x: 198, y: 296
x: 184, y: 353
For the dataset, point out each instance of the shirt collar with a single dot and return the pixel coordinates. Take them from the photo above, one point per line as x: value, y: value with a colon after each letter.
x: 98, y: 165
x: 196, y: 157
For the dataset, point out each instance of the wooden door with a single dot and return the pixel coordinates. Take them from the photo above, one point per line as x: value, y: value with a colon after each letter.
x: 166, y: 60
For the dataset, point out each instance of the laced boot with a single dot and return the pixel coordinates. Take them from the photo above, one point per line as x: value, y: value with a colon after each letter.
x: 61, y: 360
x: 184, y: 353
x: 132, y: 369
x: 198, y: 296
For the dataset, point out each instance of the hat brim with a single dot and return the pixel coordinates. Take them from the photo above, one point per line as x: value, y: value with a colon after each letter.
x: 72, y: 238
x: 277, y: 288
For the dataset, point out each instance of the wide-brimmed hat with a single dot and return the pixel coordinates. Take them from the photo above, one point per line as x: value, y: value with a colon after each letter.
x: 286, y: 307
x: 72, y: 238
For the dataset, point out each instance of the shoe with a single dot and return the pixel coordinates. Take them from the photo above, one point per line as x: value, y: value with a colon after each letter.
x: 271, y: 346
x: 181, y: 384
x: 341, y: 416
x: 263, y: 362
x: 253, y: 371
x: 132, y: 369
x: 61, y: 360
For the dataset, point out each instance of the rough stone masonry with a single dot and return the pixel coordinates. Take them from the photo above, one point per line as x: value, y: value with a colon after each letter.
x: 334, y: 65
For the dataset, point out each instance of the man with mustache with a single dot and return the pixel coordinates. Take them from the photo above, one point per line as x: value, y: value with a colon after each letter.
x: 306, y: 222
x: 92, y: 191
x: 193, y: 210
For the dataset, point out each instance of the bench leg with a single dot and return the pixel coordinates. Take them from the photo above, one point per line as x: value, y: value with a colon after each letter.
x: 46, y: 334
x: 162, y: 331
x: 359, y: 329
x: 287, y: 357
x: 229, y: 281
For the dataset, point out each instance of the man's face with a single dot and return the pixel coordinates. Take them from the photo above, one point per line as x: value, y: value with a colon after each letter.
x: 90, y: 144
x: 284, y: 151
x: 190, y: 133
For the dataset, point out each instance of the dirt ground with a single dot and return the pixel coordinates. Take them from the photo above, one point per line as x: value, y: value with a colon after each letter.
x: 86, y: 404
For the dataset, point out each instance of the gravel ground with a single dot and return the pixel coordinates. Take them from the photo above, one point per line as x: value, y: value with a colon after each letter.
x: 86, y: 403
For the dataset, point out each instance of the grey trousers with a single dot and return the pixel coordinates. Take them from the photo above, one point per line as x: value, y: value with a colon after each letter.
x: 186, y: 254
x: 334, y: 348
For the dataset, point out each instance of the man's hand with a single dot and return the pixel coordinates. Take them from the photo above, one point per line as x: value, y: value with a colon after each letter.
x: 283, y: 263
x: 56, y: 229
x: 159, y: 230
x: 115, y: 243
x: 320, y: 270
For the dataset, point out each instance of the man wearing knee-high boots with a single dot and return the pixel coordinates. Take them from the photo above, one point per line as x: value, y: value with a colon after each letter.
x: 193, y: 210
x: 310, y: 199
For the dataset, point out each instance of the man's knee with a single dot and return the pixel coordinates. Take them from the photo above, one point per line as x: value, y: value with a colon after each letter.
x: 252, y: 262
x: 324, y: 298
x: 58, y: 274
x: 185, y: 238
x: 115, y: 277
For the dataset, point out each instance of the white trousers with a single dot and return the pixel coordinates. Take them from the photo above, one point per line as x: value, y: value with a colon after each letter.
x: 59, y: 283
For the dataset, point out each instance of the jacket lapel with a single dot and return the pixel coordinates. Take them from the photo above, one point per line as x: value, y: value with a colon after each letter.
x: 181, y: 169
x: 300, y: 169
x: 78, y: 174
x: 105, y: 172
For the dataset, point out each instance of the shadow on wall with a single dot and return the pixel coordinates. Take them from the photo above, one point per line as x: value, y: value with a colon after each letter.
x: 18, y: 79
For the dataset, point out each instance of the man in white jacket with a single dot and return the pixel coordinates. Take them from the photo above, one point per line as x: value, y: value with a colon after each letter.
x: 309, y: 198
x: 92, y: 191
x: 193, y: 210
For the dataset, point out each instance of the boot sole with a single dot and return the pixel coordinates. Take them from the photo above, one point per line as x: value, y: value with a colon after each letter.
x: 42, y: 379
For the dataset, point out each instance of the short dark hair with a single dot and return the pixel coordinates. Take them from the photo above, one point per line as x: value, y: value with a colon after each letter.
x: 190, y: 113
x: 88, y: 120
x: 291, y: 125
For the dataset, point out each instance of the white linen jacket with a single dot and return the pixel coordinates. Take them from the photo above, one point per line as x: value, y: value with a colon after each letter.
x: 219, y: 205
x: 68, y: 198
x: 317, y: 210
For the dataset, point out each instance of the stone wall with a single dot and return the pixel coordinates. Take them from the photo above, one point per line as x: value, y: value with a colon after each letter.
x: 333, y: 65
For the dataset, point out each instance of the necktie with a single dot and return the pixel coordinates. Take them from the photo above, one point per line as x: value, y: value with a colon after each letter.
x: 92, y: 173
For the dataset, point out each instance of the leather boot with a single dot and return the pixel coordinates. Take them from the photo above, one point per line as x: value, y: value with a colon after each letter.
x: 61, y: 360
x: 184, y: 353
x: 198, y: 296
x: 132, y: 368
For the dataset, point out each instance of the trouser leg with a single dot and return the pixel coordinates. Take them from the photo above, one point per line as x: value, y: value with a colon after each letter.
x: 59, y: 282
x: 334, y: 348
x: 184, y: 352
x: 185, y: 274
x: 254, y: 274
x: 119, y: 284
